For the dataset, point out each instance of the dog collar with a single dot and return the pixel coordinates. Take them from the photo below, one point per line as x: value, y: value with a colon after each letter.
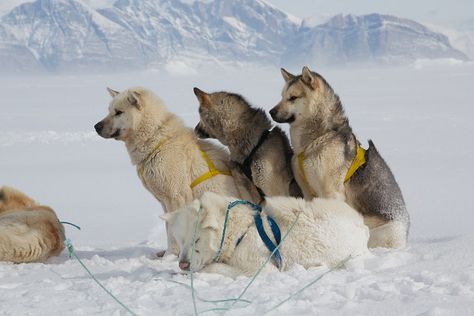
x: 247, y: 161
x: 245, y: 165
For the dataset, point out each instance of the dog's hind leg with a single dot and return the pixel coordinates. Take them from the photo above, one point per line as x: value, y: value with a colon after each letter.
x: 393, y: 234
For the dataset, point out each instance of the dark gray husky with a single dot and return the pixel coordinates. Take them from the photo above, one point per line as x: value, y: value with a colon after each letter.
x: 259, y: 152
x: 330, y: 163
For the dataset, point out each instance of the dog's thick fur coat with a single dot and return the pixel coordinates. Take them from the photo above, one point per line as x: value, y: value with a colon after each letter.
x: 327, y: 232
x: 320, y: 130
x: 29, y: 232
x: 262, y: 155
x: 167, y: 154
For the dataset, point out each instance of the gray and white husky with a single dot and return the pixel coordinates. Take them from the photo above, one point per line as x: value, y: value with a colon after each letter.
x: 259, y: 152
x: 325, y: 152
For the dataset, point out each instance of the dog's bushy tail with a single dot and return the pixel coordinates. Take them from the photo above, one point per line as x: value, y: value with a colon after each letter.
x: 21, y: 243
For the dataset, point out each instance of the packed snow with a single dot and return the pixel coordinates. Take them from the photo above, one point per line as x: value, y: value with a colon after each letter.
x: 419, y: 117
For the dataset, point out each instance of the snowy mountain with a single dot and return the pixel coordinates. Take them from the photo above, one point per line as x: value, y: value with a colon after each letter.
x: 463, y: 38
x: 368, y: 38
x: 61, y: 34
x: 245, y: 30
x: 70, y: 34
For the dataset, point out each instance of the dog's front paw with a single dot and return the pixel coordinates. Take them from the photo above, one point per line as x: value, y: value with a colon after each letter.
x: 161, y: 253
x: 167, y: 253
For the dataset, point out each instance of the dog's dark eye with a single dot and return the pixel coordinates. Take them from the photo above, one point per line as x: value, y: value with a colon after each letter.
x: 292, y: 98
x: 117, y: 112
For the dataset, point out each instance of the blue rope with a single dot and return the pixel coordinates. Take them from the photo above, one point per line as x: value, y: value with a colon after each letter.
x: 72, y: 253
x: 203, y: 299
x: 268, y: 259
x: 191, y: 272
x: 193, y: 294
x: 267, y: 241
x: 340, y: 264
x: 231, y: 205
x: 71, y: 224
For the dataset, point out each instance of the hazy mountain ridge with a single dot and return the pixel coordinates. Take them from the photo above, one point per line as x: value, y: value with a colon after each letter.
x: 369, y: 38
x: 69, y: 34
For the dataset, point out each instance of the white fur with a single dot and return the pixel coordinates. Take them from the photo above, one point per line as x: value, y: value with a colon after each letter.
x: 169, y: 169
x: 327, y: 232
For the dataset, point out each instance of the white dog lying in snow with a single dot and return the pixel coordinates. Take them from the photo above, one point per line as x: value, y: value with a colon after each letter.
x: 326, y: 233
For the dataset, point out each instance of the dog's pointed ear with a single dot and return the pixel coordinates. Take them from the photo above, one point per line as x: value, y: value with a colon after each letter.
x: 202, y: 96
x: 113, y: 93
x: 135, y: 99
x: 286, y: 75
x: 209, y: 220
x: 309, y: 79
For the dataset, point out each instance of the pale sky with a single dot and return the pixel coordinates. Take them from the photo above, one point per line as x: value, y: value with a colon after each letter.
x: 443, y: 12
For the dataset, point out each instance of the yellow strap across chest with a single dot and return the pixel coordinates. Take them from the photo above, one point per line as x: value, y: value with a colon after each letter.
x: 359, y: 161
x: 213, y: 171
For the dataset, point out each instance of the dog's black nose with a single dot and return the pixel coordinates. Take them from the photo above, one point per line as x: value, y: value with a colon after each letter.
x: 273, y: 112
x: 98, y: 127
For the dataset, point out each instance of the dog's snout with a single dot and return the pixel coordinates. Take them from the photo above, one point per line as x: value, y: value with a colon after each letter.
x: 99, y: 126
x: 273, y: 112
x: 184, y: 265
x: 199, y: 131
x: 197, y: 128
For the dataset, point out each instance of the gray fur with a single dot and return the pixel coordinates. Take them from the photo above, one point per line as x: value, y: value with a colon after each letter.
x: 320, y: 129
x: 376, y: 189
x: 229, y: 118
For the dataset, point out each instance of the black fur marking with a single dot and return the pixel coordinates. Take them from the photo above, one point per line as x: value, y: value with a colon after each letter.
x: 116, y: 134
x: 291, y: 119
x: 246, y: 165
x: 199, y: 131
x: 248, y: 161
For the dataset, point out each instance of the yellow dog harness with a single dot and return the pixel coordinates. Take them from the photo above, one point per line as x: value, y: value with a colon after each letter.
x: 359, y: 161
x: 213, y: 171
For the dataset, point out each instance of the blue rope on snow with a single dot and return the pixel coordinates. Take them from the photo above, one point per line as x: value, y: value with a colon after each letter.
x: 72, y: 253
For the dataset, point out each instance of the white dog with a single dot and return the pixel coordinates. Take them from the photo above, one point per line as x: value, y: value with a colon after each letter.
x: 326, y: 233
x: 29, y: 232
x: 172, y: 163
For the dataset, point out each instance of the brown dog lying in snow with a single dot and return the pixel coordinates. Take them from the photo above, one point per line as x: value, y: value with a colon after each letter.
x: 29, y: 232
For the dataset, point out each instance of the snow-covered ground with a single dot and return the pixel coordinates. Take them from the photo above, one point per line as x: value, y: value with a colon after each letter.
x: 420, y: 118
